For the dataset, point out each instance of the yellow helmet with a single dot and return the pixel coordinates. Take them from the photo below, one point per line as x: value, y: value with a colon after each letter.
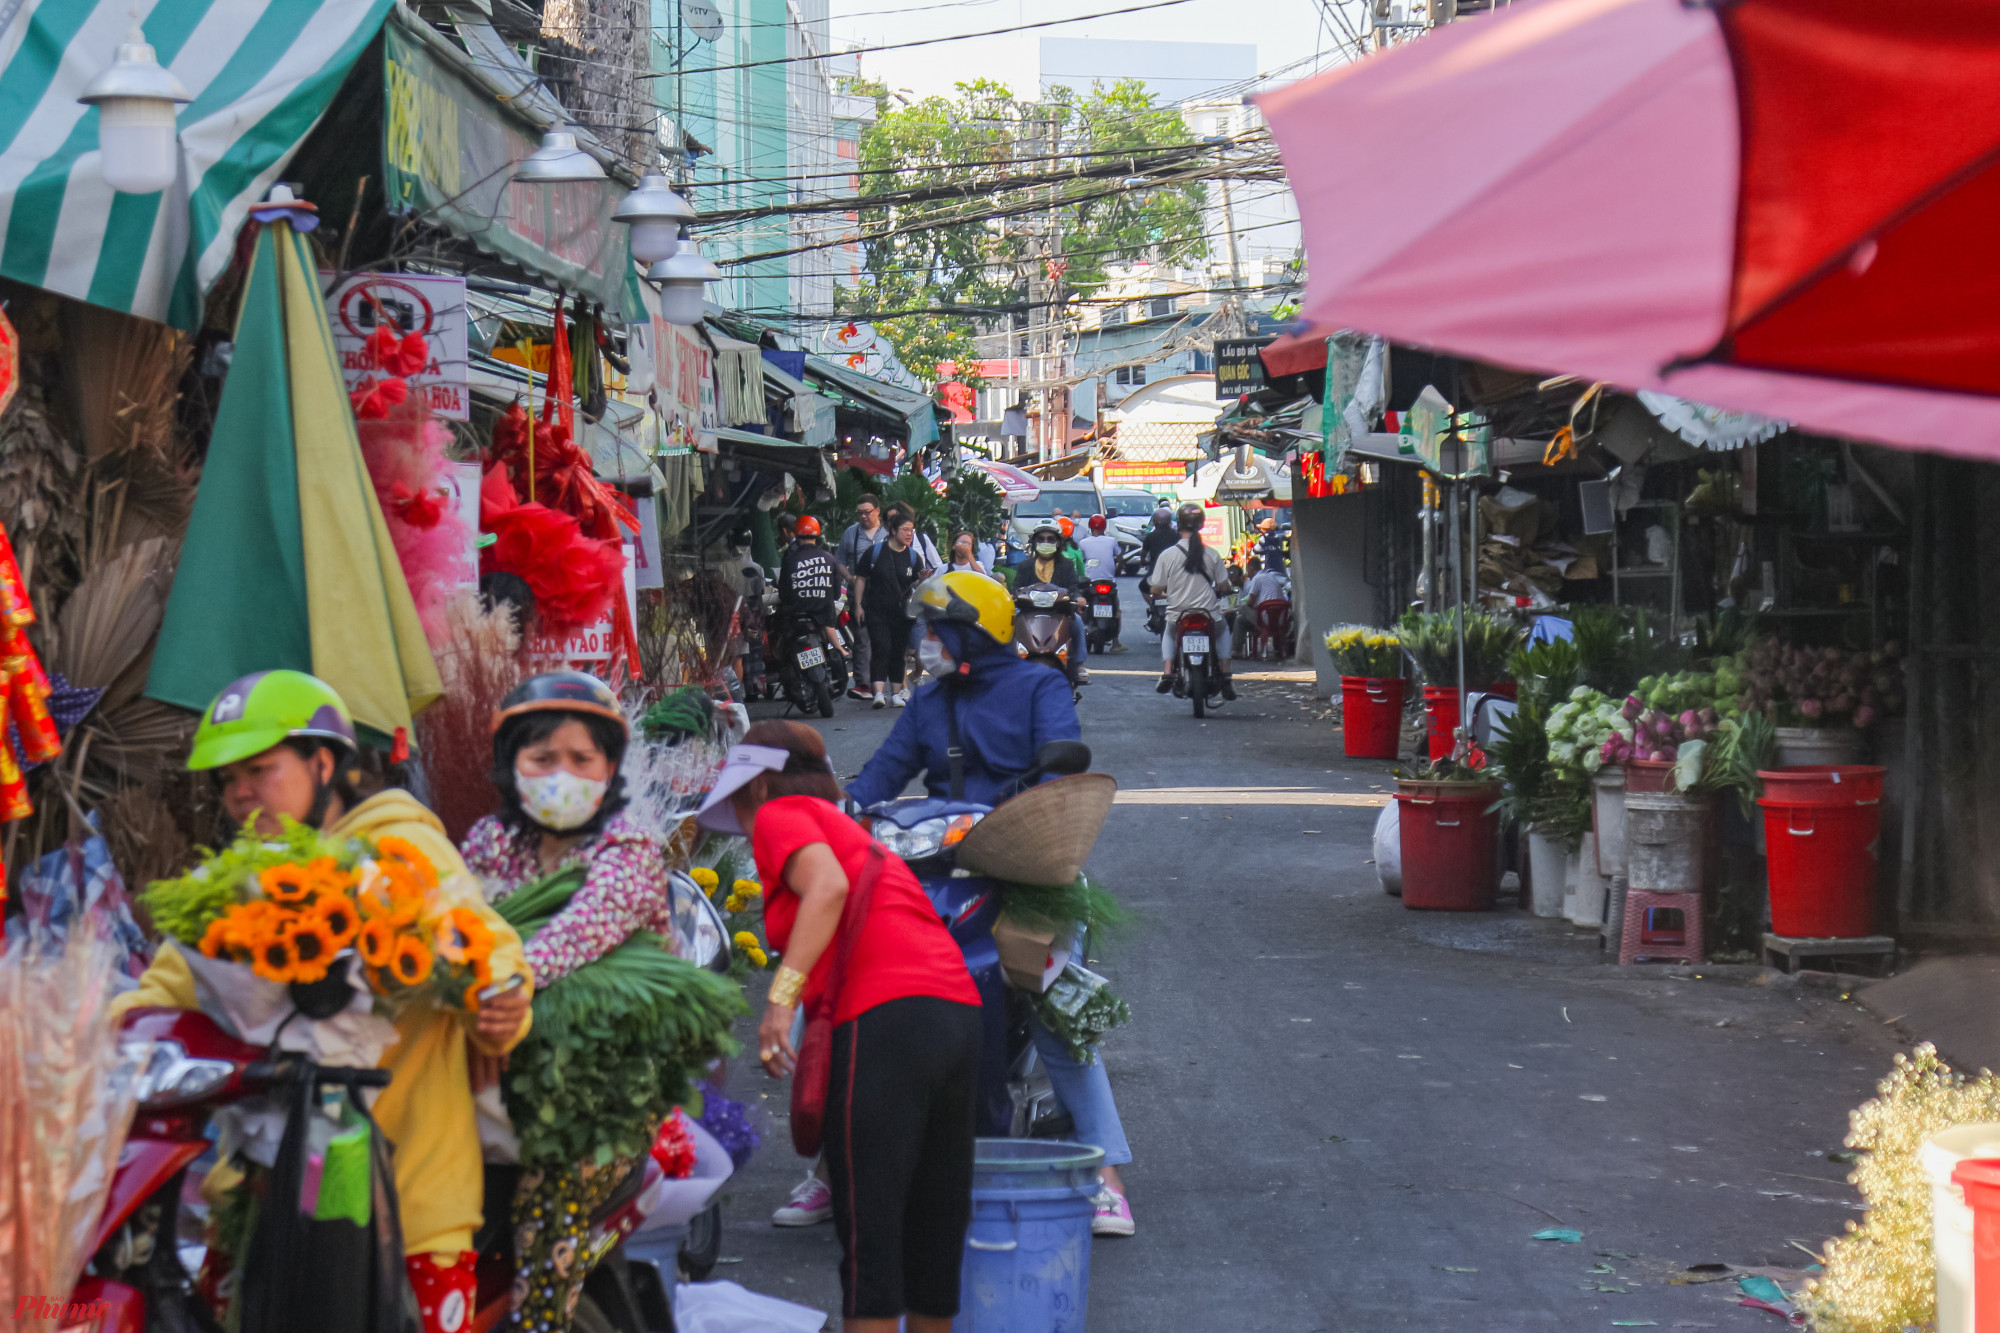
x: 968, y: 598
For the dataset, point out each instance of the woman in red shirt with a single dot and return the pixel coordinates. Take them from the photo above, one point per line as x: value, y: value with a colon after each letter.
x: 899, y: 1105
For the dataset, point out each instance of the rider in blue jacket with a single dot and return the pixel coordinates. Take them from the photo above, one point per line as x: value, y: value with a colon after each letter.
x: 1007, y: 708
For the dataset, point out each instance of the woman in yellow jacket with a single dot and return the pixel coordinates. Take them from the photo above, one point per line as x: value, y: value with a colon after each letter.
x: 280, y: 741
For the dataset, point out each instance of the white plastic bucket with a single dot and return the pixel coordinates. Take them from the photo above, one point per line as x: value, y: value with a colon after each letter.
x: 1591, y: 887
x: 1548, y: 873
x: 1665, y: 835
x: 1951, y: 1218
x: 1607, y: 818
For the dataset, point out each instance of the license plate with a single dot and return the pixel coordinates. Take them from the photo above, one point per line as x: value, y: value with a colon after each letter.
x: 1194, y: 643
x: 812, y: 657
x: 1103, y: 612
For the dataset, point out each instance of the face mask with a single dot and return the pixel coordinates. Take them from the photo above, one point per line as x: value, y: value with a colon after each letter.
x: 559, y: 800
x: 935, y: 659
x: 1045, y: 548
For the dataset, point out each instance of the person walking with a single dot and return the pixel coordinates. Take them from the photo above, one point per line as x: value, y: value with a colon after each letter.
x: 965, y: 553
x: 882, y: 587
x: 861, y: 538
x: 900, y: 1102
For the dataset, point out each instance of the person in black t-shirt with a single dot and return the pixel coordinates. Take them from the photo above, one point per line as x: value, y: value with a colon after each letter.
x: 809, y: 582
x: 883, y: 581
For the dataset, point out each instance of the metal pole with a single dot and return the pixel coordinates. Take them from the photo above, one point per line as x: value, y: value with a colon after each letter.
x: 1458, y: 612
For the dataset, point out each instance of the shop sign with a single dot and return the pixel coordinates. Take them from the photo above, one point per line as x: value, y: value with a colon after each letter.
x: 1447, y: 446
x: 581, y: 648
x: 449, y: 156
x: 1153, y: 473
x: 410, y: 303
x: 1238, y: 368
x: 684, y: 390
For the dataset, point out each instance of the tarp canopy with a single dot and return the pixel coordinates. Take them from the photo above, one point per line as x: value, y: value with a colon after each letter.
x: 917, y: 410
x: 262, y: 73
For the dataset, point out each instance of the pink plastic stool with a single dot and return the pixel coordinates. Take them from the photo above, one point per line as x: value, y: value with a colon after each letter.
x: 1649, y: 935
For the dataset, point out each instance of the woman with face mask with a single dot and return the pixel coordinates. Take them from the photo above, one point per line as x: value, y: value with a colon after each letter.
x: 558, y: 740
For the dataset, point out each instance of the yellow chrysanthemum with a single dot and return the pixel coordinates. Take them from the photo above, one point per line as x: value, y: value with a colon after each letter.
x: 746, y: 888
x: 706, y: 878
x: 759, y: 957
x: 745, y: 940
x: 732, y: 904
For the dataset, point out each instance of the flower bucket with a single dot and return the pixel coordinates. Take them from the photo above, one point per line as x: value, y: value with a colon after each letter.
x: 1666, y: 841
x: 1607, y: 819
x: 1648, y: 774
x: 1592, y: 888
x: 1441, y: 708
x: 1371, y: 716
x: 1822, y: 850
x: 1801, y: 747
x: 1548, y: 864
x: 1449, y: 835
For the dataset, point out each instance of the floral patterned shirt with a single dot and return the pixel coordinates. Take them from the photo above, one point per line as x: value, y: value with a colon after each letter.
x: 625, y: 888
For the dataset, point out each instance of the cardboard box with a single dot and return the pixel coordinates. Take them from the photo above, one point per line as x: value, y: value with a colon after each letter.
x: 1031, y: 957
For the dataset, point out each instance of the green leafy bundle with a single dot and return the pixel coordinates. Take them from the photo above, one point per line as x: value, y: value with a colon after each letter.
x: 1545, y: 674
x: 1079, y: 1008
x: 183, y: 907
x: 615, y: 1044
x: 1743, y: 746
x: 1432, y: 643
x: 1062, y: 908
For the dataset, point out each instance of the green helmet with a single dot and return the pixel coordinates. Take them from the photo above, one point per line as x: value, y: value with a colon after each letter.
x: 265, y: 709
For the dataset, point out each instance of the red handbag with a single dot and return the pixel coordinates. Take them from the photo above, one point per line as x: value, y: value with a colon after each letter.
x: 815, y: 1064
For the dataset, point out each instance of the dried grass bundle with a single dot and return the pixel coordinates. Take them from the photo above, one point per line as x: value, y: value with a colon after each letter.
x: 147, y: 842
x: 103, y: 636
x: 68, y: 1084
x: 127, y: 376
x: 479, y: 659
x: 39, y: 478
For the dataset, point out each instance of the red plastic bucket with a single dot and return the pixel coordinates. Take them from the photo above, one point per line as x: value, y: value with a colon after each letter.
x: 1811, y: 784
x: 1822, y: 859
x: 1450, y: 837
x: 1647, y: 775
x: 1371, y: 716
x: 1441, y: 707
x: 1979, y: 1177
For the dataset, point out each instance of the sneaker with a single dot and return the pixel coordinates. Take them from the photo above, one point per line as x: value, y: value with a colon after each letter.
x: 1228, y: 689
x: 901, y: 699
x: 1166, y: 685
x: 812, y: 1203
x: 1112, y: 1218
x: 881, y: 700
x: 856, y: 692
x: 1083, y: 675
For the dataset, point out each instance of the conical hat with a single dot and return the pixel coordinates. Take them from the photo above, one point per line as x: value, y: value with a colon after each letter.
x: 1043, y: 835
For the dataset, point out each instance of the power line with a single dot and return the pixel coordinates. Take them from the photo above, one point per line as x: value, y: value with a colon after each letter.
x: 929, y: 41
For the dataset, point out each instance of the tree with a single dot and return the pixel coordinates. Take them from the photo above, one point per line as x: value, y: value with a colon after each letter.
x: 1007, y: 191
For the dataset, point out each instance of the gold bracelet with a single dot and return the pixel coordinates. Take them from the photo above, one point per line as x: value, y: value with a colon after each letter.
x: 786, y: 985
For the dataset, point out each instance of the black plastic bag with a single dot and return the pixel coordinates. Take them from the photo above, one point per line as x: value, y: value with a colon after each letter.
x: 304, y: 1275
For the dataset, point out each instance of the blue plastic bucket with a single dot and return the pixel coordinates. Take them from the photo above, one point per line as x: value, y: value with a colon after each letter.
x: 1027, y: 1252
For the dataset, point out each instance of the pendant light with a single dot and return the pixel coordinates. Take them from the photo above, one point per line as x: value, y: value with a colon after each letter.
x: 136, y: 104
x: 656, y: 214
x: 558, y: 161
x: 683, y: 277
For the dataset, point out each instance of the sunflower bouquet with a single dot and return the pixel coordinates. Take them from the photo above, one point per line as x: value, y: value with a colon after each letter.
x: 289, y: 908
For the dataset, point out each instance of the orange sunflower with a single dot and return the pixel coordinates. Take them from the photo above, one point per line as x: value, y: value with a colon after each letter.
x: 275, y: 957
x: 312, y: 945
x: 327, y: 876
x: 378, y: 943
x: 412, y: 962
x: 289, y: 884
x: 219, y: 940
x: 463, y: 938
x: 394, y: 851
x: 385, y: 898
x: 337, y: 915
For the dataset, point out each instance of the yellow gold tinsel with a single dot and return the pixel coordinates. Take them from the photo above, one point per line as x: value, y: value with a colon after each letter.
x: 1880, y: 1276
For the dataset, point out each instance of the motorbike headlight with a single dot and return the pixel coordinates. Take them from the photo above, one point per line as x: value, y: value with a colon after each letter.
x: 1044, y: 600
x: 920, y: 840
x: 172, y: 1076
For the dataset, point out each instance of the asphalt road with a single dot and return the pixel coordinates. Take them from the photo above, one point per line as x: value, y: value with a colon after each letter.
x: 1351, y: 1116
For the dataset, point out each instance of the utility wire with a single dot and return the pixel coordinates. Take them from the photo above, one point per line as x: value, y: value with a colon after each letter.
x: 928, y: 41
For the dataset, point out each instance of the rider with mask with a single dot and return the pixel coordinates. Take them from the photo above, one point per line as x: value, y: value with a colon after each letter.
x: 280, y: 744
x: 1047, y: 561
x: 558, y: 743
x: 1004, y: 710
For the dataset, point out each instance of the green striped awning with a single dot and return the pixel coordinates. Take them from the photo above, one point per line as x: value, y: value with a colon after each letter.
x: 261, y: 72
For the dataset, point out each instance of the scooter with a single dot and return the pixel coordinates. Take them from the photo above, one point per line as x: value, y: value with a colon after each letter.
x: 1197, y: 675
x: 1101, y: 617
x: 1045, y: 629
x: 1015, y: 1098
x: 139, y: 1271
x: 807, y: 667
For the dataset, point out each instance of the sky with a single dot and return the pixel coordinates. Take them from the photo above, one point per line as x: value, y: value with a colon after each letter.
x: 1284, y: 31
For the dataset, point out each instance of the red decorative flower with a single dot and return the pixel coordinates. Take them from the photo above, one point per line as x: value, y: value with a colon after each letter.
x: 396, y: 353
x: 419, y: 509
x: 673, y: 1149
x: 373, y: 399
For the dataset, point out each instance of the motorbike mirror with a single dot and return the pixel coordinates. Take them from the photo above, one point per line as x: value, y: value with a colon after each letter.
x: 1063, y: 757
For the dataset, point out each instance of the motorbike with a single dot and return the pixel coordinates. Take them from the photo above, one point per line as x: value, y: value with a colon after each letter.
x: 1101, y: 619
x: 1015, y: 1098
x: 1197, y: 675
x: 139, y: 1274
x: 1156, y: 611
x: 810, y: 674
x: 1045, y: 629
